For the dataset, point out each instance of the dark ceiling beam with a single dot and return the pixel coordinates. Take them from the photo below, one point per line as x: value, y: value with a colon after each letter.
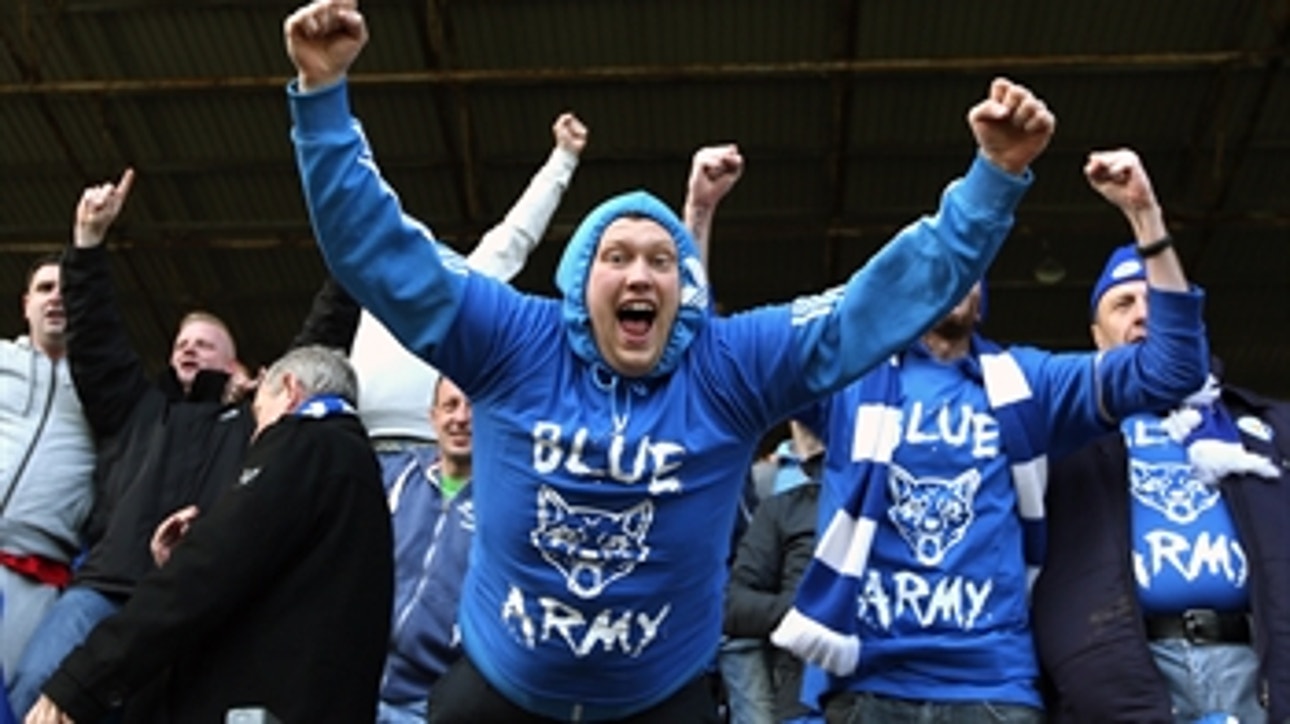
x: 1029, y: 64
x: 953, y: 151
x: 113, y: 6
x: 1054, y: 221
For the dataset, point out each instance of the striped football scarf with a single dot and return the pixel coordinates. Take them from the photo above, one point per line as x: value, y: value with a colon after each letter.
x: 822, y: 627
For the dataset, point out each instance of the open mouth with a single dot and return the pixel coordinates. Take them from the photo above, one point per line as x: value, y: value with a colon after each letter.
x: 636, y: 318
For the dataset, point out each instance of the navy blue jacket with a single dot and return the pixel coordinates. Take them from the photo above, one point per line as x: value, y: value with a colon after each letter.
x: 1088, y: 625
x: 432, y: 536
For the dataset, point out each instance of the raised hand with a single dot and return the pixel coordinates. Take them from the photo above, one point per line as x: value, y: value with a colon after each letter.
x: 323, y: 39
x: 713, y: 172
x: 240, y: 384
x: 98, y: 208
x: 1011, y: 125
x: 570, y: 133
x: 1121, y: 179
x: 45, y: 711
x: 170, y: 532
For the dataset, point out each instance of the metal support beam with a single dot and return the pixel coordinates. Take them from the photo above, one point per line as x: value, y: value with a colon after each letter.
x: 1031, y: 65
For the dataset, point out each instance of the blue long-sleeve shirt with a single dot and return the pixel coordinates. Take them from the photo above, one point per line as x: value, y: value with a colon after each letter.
x: 944, y: 614
x: 604, y: 502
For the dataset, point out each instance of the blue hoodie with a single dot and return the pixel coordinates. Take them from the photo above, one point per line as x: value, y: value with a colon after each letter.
x: 604, y: 502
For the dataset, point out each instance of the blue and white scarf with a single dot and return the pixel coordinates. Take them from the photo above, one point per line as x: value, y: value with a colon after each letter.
x: 1203, y: 426
x: 320, y: 406
x: 822, y: 627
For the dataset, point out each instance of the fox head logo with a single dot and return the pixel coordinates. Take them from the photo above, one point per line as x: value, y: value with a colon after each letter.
x: 1172, y: 489
x: 590, y: 546
x: 932, y: 514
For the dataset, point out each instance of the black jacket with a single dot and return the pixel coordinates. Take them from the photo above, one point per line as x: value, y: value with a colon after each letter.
x: 158, y: 450
x: 1088, y: 624
x: 279, y: 596
x: 772, y: 555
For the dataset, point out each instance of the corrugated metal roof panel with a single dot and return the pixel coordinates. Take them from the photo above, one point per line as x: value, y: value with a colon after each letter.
x: 850, y: 114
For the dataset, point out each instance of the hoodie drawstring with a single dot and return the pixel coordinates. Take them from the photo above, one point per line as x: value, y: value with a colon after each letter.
x: 609, y: 382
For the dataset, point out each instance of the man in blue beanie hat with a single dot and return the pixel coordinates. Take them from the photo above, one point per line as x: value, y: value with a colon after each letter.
x: 931, y: 515
x: 1164, y: 596
x: 615, y: 424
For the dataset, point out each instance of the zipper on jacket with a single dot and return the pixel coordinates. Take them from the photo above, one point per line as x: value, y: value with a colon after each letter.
x: 402, y: 614
x: 431, y: 554
x: 40, y: 428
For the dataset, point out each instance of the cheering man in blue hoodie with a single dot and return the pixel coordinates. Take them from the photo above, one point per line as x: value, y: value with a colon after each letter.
x: 614, y: 425
x: 931, y: 513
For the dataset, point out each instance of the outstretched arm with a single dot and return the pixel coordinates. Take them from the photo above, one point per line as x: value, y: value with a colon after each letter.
x: 1121, y: 179
x: 1171, y: 362
x: 713, y: 172
x: 108, y: 373
x: 928, y: 267
x: 332, y: 320
x: 376, y: 252
x: 1087, y: 392
x: 502, y: 251
x: 396, y: 384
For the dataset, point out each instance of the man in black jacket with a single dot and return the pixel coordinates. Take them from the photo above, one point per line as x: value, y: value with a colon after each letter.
x: 279, y: 597
x: 1166, y: 592
x: 161, y: 446
x: 770, y: 559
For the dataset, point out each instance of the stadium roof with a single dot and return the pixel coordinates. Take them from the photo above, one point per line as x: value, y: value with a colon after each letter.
x: 850, y: 114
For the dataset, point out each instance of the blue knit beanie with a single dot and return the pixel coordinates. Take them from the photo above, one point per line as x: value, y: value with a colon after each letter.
x: 1124, y: 265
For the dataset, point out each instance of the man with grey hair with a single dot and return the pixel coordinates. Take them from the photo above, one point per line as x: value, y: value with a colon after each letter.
x: 164, y: 441
x: 278, y: 595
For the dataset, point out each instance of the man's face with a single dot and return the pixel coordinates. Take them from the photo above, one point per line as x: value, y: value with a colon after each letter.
x: 450, y: 415
x: 42, y: 305
x: 633, y: 292
x: 1121, y: 316
x: 962, y: 319
x: 273, y: 399
x: 201, y: 345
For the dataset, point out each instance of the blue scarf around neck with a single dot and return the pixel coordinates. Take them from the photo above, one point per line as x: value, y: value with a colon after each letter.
x: 822, y: 627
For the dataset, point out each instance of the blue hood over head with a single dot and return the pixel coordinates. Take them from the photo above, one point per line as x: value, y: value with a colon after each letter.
x: 575, y: 267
